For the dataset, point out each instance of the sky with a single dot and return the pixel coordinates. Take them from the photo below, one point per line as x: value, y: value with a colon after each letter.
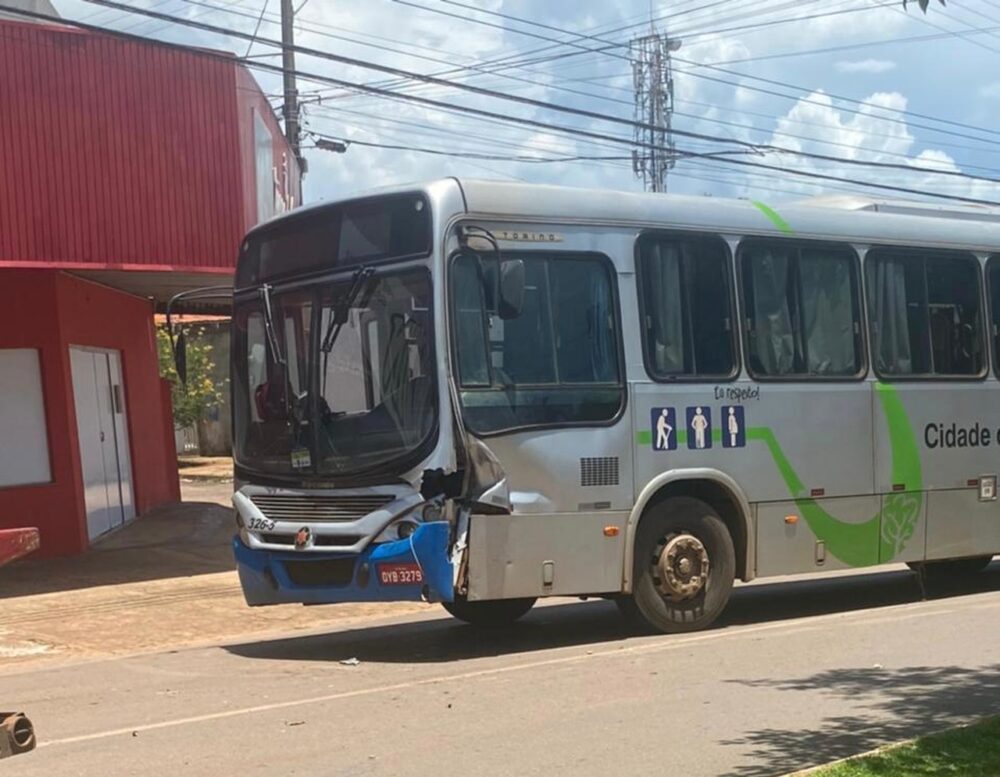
x: 862, y: 80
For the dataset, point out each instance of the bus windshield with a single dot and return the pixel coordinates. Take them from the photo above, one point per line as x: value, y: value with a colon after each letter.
x: 351, y: 387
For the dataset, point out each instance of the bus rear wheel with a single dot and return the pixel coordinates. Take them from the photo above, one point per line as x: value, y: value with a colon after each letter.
x: 489, y: 614
x: 683, y: 568
x: 952, y: 568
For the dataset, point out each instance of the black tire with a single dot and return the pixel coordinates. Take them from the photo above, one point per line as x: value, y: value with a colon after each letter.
x: 489, y: 614
x: 651, y: 609
x: 952, y: 568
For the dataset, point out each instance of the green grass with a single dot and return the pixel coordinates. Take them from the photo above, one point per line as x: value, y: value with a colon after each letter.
x: 973, y: 751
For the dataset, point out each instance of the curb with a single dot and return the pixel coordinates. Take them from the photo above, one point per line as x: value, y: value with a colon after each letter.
x: 883, y: 748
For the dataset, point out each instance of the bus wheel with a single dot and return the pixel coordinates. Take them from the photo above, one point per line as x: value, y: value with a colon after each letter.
x: 684, y: 567
x: 489, y: 614
x: 951, y: 569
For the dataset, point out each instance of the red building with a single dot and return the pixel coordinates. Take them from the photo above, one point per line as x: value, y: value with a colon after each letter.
x: 128, y: 172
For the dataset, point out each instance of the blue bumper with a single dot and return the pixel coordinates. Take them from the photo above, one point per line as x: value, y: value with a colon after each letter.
x: 286, y: 577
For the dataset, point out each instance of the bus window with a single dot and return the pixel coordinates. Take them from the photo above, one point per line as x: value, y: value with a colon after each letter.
x: 687, y: 307
x: 803, y: 312
x: 555, y: 363
x: 470, y: 335
x: 993, y: 285
x: 925, y: 313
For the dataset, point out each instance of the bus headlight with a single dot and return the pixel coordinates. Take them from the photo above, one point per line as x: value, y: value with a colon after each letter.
x: 399, y: 529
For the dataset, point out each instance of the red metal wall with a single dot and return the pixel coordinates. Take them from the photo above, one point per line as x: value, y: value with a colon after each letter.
x: 51, y: 311
x: 122, y: 155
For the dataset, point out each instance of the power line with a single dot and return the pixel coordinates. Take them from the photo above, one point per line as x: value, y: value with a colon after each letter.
x: 318, y: 78
x: 253, y: 38
x: 718, y: 67
x: 584, y: 113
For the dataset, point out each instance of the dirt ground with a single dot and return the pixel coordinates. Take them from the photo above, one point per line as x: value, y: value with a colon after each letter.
x: 165, y: 580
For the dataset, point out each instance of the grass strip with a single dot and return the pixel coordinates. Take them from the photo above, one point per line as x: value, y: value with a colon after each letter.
x: 969, y: 751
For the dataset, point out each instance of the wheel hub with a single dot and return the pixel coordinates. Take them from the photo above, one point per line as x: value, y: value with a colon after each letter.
x: 682, y: 566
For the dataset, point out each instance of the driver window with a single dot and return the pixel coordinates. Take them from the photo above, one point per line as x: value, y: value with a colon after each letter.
x: 556, y: 362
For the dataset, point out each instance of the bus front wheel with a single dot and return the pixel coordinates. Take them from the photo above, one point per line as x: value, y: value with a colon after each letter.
x: 489, y: 614
x: 683, y: 568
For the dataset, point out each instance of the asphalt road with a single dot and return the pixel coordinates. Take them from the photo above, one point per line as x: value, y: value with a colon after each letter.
x: 797, y: 673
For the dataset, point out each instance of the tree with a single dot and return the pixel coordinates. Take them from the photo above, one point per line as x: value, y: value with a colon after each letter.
x: 202, y: 392
x: 923, y: 4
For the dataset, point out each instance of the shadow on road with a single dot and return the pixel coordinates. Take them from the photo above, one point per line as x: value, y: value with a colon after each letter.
x: 444, y: 640
x: 899, y: 704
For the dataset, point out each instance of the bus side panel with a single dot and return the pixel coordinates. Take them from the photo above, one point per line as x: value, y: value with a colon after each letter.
x: 937, y: 438
x: 781, y: 442
x: 791, y: 439
x: 545, y: 555
x: 787, y: 544
x: 961, y: 525
x: 566, y: 486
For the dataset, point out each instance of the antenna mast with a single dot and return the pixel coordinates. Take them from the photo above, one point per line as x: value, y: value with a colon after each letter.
x: 653, y: 81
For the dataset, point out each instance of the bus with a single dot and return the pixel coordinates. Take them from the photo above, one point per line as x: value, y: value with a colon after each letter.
x: 482, y: 393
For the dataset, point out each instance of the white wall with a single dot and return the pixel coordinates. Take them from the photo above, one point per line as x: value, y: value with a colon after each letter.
x: 24, y: 448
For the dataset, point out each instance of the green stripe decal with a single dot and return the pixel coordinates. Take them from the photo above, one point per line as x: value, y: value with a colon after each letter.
x: 773, y: 217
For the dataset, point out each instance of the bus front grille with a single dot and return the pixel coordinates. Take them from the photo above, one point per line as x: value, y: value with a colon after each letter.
x: 321, y: 541
x: 304, y: 508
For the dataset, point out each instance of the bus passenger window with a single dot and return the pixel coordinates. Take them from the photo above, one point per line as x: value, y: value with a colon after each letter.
x: 687, y: 307
x: 925, y: 313
x: 803, y: 314
x: 994, y: 289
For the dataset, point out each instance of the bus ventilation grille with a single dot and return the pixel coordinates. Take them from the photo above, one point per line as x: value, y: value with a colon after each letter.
x: 599, y: 471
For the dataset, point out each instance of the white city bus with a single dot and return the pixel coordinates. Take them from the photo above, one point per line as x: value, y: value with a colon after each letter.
x: 482, y: 393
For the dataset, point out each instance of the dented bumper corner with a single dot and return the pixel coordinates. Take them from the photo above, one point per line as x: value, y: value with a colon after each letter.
x: 385, y: 572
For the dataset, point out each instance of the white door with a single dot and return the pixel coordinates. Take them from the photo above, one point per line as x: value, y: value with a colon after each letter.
x: 103, y: 431
x: 120, y: 418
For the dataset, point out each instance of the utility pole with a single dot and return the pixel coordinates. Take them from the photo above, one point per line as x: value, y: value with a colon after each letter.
x: 290, y: 109
x: 653, y: 82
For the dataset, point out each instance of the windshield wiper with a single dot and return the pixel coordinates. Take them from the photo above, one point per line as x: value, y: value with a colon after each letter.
x: 340, y: 312
x: 272, y: 335
x: 341, y: 308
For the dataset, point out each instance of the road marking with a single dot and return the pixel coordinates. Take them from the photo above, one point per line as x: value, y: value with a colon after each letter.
x: 806, y: 623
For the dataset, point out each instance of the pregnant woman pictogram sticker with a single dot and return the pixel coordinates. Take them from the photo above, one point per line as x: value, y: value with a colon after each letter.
x: 734, y: 429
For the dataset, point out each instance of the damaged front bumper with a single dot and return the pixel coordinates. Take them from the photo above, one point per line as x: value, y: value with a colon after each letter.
x: 410, y: 569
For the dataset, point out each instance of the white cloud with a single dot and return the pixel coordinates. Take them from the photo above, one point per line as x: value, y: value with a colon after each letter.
x: 991, y: 90
x: 865, y: 66
x: 878, y: 132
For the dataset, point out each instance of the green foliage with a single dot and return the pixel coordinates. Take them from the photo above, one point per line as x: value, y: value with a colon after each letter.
x: 202, y: 391
x: 923, y: 4
x: 973, y: 751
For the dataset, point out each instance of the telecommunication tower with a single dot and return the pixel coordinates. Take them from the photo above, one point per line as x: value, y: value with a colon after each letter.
x: 653, y: 82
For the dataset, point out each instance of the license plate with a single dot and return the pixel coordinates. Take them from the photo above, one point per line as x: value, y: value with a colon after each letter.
x: 400, y: 574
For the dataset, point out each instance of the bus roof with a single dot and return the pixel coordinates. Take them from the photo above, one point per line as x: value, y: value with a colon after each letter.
x: 857, y: 219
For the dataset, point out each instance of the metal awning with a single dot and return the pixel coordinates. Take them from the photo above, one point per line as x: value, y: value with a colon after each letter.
x: 161, y: 286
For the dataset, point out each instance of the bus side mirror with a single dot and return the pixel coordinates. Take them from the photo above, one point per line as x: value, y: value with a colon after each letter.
x: 511, y: 288
x: 180, y: 357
